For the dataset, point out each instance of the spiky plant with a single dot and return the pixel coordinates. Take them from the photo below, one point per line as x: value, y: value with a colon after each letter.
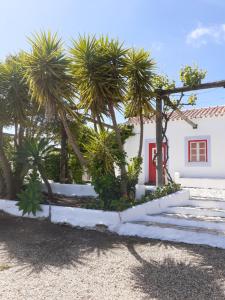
x: 140, y: 72
x: 50, y: 81
x: 98, y: 68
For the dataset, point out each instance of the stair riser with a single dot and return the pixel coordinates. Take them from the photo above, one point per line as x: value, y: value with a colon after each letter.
x: 195, y: 211
x: 207, y: 203
x: 170, y: 234
x: 183, y: 222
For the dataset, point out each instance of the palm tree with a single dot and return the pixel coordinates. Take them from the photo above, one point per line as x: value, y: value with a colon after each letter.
x: 14, y: 111
x: 98, y: 66
x: 139, y: 71
x: 50, y: 82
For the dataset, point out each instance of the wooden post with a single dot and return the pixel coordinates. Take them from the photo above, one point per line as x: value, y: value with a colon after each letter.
x: 159, y: 142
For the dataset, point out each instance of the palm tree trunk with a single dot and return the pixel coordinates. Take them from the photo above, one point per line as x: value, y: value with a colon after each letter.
x: 63, y: 156
x: 141, y: 135
x: 6, y: 168
x: 120, y: 145
x: 48, y: 185
x: 100, y: 125
x: 72, y: 140
x: 159, y: 143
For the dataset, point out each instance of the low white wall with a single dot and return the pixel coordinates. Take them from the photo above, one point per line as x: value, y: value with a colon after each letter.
x: 84, y: 217
x: 11, y: 208
x: 155, y: 206
x: 90, y: 218
x: 72, y: 189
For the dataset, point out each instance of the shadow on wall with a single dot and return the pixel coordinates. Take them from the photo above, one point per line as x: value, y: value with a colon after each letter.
x: 173, y: 279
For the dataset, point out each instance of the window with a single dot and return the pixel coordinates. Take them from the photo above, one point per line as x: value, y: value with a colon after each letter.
x: 197, y: 151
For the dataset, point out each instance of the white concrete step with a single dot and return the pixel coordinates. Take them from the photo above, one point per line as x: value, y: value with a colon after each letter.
x: 187, y: 221
x: 196, y: 211
x: 206, y: 203
x: 194, y: 218
x: 181, y: 227
x: 177, y: 234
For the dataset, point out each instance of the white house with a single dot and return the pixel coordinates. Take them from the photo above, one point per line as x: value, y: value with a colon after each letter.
x: 196, y: 156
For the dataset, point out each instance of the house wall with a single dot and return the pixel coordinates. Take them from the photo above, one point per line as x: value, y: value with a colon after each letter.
x: 178, y: 132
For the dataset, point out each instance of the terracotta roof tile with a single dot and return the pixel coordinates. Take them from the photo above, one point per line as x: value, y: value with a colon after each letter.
x: 196, y: 113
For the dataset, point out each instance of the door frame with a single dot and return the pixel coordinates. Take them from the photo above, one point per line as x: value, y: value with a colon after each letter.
x: 146, y: 158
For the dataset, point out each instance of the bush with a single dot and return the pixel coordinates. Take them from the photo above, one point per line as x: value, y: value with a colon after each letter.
x: 161, y: 192
x: 134, y: 169
x: 120, y: 204
x: 75, y: 169
x: 31, y: 198
x: 52, y: 166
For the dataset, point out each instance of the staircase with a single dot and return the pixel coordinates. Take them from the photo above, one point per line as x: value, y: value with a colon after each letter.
x: 202, y: 221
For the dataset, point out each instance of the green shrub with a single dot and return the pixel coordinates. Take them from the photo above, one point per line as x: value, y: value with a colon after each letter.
x: 133, y: 171
x: 75, y: 169
x: 52, y: 166
x: 31, y: 198
x: 161, y: 192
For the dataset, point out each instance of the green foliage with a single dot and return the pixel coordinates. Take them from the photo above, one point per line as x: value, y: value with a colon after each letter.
x: 192, y: 99
x: 75, y: 169
x: 162, y: 191
x: 192, y: 76
x: 120, y: 203
x: 102, y: 152
x: 47, y: 73
x: 14, y: 100
x: 31, y: 198
x: 51, y: 165
x: 139, y: 71
x: 162, y: 82
x: 133, y: 171
x: 98, y: 69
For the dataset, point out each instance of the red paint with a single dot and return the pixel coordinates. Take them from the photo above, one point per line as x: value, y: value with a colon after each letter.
x: 195, y: 141
x: 152, y: 164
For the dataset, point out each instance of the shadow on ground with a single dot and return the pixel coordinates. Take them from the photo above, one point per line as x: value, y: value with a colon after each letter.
x: 159, y: 270
x: 181, y: 278
x: 38, y: 245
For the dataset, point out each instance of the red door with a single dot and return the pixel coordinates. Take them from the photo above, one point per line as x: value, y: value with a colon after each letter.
x: 152, y: 161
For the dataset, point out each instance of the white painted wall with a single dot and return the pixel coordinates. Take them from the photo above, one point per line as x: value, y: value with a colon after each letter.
x: 89, y: 218
x: 72, y: 189
x: 213, y: 128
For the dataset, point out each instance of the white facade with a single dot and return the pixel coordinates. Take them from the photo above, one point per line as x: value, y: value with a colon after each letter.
x: 211, y: 128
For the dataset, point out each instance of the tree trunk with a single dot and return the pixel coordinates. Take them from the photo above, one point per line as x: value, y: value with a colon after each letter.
x: 19, y: 173
x: 120, y: 144
x: 159, y: 143
x: 72, y: 140
x: 6, y: 169
x: 141, y: 135
x: 63, y: 156
x: 100, y: 125
x: 48, y: 186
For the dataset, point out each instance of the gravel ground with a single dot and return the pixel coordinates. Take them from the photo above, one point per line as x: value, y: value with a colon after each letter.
x: 39, y: 260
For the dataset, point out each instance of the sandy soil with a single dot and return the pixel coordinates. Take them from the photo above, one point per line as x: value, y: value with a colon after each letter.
x: 39, y: 260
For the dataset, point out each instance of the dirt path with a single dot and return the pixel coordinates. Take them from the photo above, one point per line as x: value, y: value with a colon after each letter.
x: 39, y: 260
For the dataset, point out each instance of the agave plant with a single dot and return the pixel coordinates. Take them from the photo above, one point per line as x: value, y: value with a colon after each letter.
x: 33, y: 154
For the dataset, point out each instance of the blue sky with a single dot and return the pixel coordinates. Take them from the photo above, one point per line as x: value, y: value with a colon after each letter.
x: 176, y: 32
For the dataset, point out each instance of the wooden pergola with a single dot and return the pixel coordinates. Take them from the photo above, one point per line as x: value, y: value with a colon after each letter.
x: 162, y: 94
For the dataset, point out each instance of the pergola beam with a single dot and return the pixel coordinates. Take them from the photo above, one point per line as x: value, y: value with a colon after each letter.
x: 202, y: 86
